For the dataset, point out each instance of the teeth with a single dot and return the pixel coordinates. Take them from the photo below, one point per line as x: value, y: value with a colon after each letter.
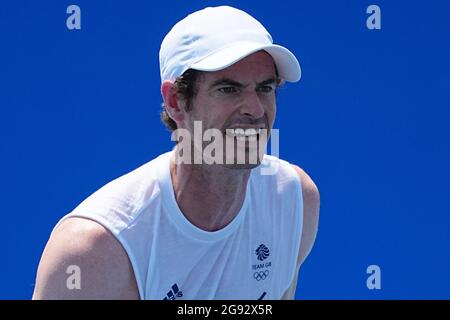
x: 250, y: 132
x: 240, y: 132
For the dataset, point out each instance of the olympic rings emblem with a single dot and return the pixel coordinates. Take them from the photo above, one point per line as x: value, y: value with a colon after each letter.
x: 261, y: 275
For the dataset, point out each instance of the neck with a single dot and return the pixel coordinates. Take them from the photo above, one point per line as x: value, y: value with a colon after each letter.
x: 210, y: 196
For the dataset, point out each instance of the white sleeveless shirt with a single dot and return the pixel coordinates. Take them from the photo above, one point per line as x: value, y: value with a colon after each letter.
x: 253, y: 257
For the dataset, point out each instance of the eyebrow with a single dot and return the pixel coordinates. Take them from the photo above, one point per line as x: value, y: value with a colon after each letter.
x: 226, y: 81
x: 231, y: 82
x: 269, y: 81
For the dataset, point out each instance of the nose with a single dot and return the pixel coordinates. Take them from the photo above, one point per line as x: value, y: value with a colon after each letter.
x: 252, y: 105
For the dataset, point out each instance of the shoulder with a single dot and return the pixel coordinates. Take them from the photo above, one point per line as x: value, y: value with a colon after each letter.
x: 311, y: 208
x: 84, y: 249
x: 310, y: 191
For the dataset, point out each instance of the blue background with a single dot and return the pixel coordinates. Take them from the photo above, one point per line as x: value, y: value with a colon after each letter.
x: 369, y: 121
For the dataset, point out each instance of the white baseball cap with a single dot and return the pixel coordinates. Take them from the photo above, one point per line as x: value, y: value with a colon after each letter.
x: 214, y: 38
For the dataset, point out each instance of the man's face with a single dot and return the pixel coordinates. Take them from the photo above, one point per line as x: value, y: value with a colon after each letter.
x: 241, y: 96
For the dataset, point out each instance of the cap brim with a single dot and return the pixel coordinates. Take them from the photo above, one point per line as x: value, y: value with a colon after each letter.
x: 287, y: 64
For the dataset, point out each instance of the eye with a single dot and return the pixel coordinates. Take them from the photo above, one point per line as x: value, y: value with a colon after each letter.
x: 228, y: 90
x: 265, y: 89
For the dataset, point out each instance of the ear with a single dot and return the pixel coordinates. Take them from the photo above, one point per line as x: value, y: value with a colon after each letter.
x: 171, y: 101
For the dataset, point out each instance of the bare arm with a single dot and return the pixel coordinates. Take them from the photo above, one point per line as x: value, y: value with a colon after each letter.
x: 105, y: 270
x: 311, y: 208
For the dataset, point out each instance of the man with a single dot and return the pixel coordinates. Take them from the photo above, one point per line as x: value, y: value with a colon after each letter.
x: 177, y: 228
